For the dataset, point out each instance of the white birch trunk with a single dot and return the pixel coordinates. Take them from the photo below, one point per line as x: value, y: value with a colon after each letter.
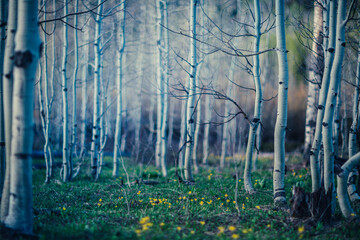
x: 329, y: 51
x: 171, y: 123
x: 3, y: 21
x: 48, y: 105
x: 8, y: 79
x: 72, y: 151
x: 336, y: 122
x: 335, y: 79
x: 342, y: 190
x: 95, y: 138
x: 84, y: 95
x: 119, y: 98
x: 281, y: 118
x: 254, y: 124
x: 183, y: 133
x: 315, y: 76
x: 197, y: 131
x: 103, y: 125
x: 160, y: 81
x: 66, y: 170
x: 191, y: 96
x: 207, y: 119
x: 164, y: 120
x: 26, y: 58
x: 351, y: 187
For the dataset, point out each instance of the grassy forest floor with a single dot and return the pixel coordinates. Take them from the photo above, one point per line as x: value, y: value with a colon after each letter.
x: 84, y: 209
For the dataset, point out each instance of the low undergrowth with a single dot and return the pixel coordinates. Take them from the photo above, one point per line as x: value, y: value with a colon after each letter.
x: 108, y: 209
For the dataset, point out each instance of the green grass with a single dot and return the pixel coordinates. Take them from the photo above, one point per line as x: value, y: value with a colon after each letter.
x: 84, y: 209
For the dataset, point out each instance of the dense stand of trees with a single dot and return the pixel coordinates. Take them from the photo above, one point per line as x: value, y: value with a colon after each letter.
x: 176, y: 83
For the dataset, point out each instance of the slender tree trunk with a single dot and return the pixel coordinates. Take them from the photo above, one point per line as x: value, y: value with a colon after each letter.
x: 197, y: 132
x: 66, y: 168
x: 335, y: 79
x: 281, y: 119
x: 207, y: 119
x: 103, y: 126
x: 119, y: 109
x: 84, y: 95
x: 8, y: 79
x: 191, y: 95
x: 336, y: 122
x: 72, y: 151
x: 164, y: 120
x: 316, y: 67
x: 254, y: 124
x: 329, y: 46
x: 172, y: 110
x: 342, y: 178
x: 27, y: 43
x: 95, y: 139
x: 183, y: 133
x: 3, y: 22
x: 353, y: 149
x: 48, y: 103
x: 160, y: 82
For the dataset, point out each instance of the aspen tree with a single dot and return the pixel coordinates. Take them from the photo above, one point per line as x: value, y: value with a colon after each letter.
x: 3, y: 20
x: 95, y: 138
x: 335, y: 79
x: 119, y: 99
x: 74, y: 83
x: 8, y: 82
x: 84, y: 80
x: 315, y: 76
x: 281, y: 118
x: 27, y: 44
x: 342, y: 178
x: 329, y: 51
x: 191, y: 95
x: 254, y: 124
x: 351, y: 186
x: 66, y: 170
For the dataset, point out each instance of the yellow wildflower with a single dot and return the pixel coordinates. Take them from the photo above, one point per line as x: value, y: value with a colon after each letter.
x: 232, y: 228
x: 192, y: 232
x: 138, y: 232
x: 201, y: 203
x: 269, y: 225
x: 162, y: 224
x: 227, y: 200
x: 184, y: 197
x: 64, y: 208
x: 221, y: 230
x: 100, y: 200
x: 189, y: 192
x: 99, y: 204
x: 138, y: 193
x: 353, y: 214
x: 178, y: 228
x: 144, y: 220
x: 301, y: 229
x: 235, y: 236
x: 202, y: 222
x: 226, y: 195
x: 258, y: 207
